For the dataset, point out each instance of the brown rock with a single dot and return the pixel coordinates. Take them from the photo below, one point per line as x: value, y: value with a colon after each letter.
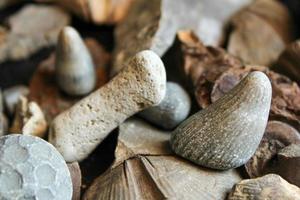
x: 277, y: 136
x: 156, y: 28
x: 267, y: 187
x: 197, y: 65
x: 7, y: 3
x: 285, y: 93
x: 27, y: 34
x: 259, y: 35
x: 146, y: 169
x: 75, y: 173
x: 289, y: 61
x: 97, y: 11
x: 51, y: 100
x: 29, y: 119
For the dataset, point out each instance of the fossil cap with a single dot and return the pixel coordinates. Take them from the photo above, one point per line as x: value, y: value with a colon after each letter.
x: 31, y: 168
x: 74, y: 66
x: 226, y: 134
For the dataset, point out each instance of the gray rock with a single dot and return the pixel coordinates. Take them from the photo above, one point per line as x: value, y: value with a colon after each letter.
x: 77, y: 131
x: 226, y: 134
x: 173, y: 109
x: 30, y: 29
x: 155, y: 28
x: 75, y: 71
x: 31, y: 168
x: 11, y: 97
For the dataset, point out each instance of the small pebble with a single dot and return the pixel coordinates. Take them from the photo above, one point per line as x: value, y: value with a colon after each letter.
x: 11, y: 97
x: 31, y: 168
x: 173, y: 109
x: 75, y: 71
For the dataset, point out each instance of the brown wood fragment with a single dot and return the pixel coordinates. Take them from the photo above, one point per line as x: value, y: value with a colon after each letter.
x: 267, y: 187
x: 75, y: 172
x: 156, y: 28
x: 96, y: 11
x: 146, y: 169
x: 285, y: 97
x: 289, y: 61
x: 277, y: 136
x: 198, y: 65
x: 51, y: 99
x: 259, y: 34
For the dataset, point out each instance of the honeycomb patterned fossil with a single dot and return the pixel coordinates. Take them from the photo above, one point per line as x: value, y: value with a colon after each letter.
x: 32, y: 169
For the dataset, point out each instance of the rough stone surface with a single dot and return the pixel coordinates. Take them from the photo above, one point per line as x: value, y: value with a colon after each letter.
x: 173, y: 109
x: 11, y: 97
x: 29, y: 119
x: 146, y: 169
x: 75, y: 71
x: 31, y: 168
x: 28, y: 34
x: 226, y: 134
x: 77, y: 131
x: 156, y: 28
x: 267, y: 187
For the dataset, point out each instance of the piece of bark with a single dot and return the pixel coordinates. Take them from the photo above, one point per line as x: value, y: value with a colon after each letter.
x: 27, y: 35
x: 285, y: 93
x: 258, y: 35
x: 277, y: 136
x: 149, y: 171
x: 156, y: 28
x: 197, y: 66
x: 289, y: 164
x: 52, y: 100
x: 29, y: 119
x: 75, y: 173
x: 289, y: 61
x: 267, y: 187
x: 96, y: 11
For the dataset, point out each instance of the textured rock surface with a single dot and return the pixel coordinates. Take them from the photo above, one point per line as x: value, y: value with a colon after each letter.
x: 77, y: 131
x: 29, y: 119
x: 75, y: 71
x: 27, y: 34
x: 31, y: 168
x: 226, y: 134
x: 156, y: 28
x: 274, y: 32
x: 11, y: 97
x: 267, y: 187
x: 173, y: 109
x: 146, y: 169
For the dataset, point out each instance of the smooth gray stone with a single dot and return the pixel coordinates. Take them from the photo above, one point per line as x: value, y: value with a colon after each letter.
x: 31, y: 168
x: 174, y: 108
x: 11, y: 97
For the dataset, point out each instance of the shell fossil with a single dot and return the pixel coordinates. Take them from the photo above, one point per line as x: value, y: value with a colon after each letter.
x: 74, y: 66
x: 226, y: 134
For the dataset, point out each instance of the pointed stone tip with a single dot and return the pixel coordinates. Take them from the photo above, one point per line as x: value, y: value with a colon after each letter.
x: 258, y: 77
x: 69, y: 37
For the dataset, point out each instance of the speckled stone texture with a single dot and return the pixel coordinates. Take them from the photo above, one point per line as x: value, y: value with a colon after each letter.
x: 77, y: 131
x: 226, y: 134
x: 74, y: 66
x: 31, y: 168
x: 173, y: 109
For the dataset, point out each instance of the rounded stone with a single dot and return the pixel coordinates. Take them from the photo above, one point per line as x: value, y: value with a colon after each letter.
x: 75, y: 71
x: 172, y: 110
x: 27, y: 174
